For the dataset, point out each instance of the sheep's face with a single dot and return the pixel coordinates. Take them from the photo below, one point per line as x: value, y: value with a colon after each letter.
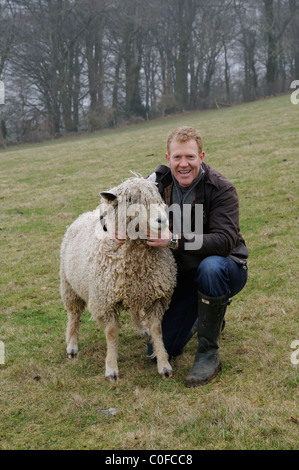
x: 135, y: 208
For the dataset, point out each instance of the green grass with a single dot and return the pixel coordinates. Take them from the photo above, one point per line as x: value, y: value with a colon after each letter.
x: 49, y: 402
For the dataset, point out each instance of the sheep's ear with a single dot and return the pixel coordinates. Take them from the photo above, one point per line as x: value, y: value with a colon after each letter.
x: 152, y: 178
x: 109, y: 195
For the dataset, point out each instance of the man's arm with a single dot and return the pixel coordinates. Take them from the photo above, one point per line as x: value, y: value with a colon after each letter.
x: 223, y: 225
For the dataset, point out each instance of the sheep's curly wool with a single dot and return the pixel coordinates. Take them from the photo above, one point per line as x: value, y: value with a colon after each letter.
x: 97, y: 272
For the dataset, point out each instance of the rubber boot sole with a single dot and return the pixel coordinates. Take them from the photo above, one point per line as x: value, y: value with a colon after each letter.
x: 193, y: 381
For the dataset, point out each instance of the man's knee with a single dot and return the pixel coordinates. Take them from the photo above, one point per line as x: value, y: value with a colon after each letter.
x: 211, y: 266
x: 212, y: 278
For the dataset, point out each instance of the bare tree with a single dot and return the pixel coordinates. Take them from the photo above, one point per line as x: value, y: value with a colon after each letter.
x: 293, y: 38
x: 95, y: 17
x: 49, y: 55
x: 208, y: 45
x: 7, y: 37
x: 78, y: 64
x: 277, y: 16
x: 248, y: 14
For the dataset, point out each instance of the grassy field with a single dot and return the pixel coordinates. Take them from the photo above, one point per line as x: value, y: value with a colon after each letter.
x: 50, y: 402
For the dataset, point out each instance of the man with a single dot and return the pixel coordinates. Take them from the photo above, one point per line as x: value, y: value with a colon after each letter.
x: 216, y: 270
x: 209, y: 276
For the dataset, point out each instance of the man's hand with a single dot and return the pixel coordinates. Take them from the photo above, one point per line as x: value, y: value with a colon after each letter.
x: 120, y: 238
x: 160, y: 240
x: 114, y: 234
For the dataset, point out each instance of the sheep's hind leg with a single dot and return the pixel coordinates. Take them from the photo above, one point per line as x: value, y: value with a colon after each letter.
x: 74, y: 306
x: 111, y: 334
x: 164, y: 368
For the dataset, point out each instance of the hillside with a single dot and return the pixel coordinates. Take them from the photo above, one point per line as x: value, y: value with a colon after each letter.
x: 48, y: 402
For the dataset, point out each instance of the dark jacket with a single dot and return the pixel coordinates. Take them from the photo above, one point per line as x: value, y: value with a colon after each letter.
x: 221, y: 232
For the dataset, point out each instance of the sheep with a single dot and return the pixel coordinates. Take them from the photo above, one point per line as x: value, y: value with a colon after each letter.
x: 97, y: 272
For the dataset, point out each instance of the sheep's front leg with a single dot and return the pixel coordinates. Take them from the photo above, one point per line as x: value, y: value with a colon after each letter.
x: 164, y: 368
x: 111, y: 333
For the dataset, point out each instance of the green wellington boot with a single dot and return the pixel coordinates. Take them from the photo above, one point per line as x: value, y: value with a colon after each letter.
x: 207, y: 362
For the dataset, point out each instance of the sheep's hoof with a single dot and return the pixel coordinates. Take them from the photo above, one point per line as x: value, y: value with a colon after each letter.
x: 112, y: 378
x: 71, y: 353
x: 166, y: 373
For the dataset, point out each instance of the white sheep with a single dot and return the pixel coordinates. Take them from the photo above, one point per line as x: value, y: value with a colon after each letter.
x: 105, y: 276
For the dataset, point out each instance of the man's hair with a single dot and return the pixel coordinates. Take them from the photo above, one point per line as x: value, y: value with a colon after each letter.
x: 184, y: 134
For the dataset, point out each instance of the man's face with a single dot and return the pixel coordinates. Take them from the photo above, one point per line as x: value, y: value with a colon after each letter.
x: 184, y: 161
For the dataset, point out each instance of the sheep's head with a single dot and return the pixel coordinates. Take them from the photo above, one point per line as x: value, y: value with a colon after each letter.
x: 134, y: 208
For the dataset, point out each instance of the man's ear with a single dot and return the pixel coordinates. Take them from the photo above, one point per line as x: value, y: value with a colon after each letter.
x: 202, y: 156
x: 167, y: 157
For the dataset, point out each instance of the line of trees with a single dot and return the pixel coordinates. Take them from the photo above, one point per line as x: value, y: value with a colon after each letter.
x: 72, y: 65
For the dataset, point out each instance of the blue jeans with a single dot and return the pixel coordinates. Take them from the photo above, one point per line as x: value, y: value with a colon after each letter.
x: 216, y: 276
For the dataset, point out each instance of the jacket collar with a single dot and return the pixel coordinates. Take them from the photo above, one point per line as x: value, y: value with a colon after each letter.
x: 166, y: 184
